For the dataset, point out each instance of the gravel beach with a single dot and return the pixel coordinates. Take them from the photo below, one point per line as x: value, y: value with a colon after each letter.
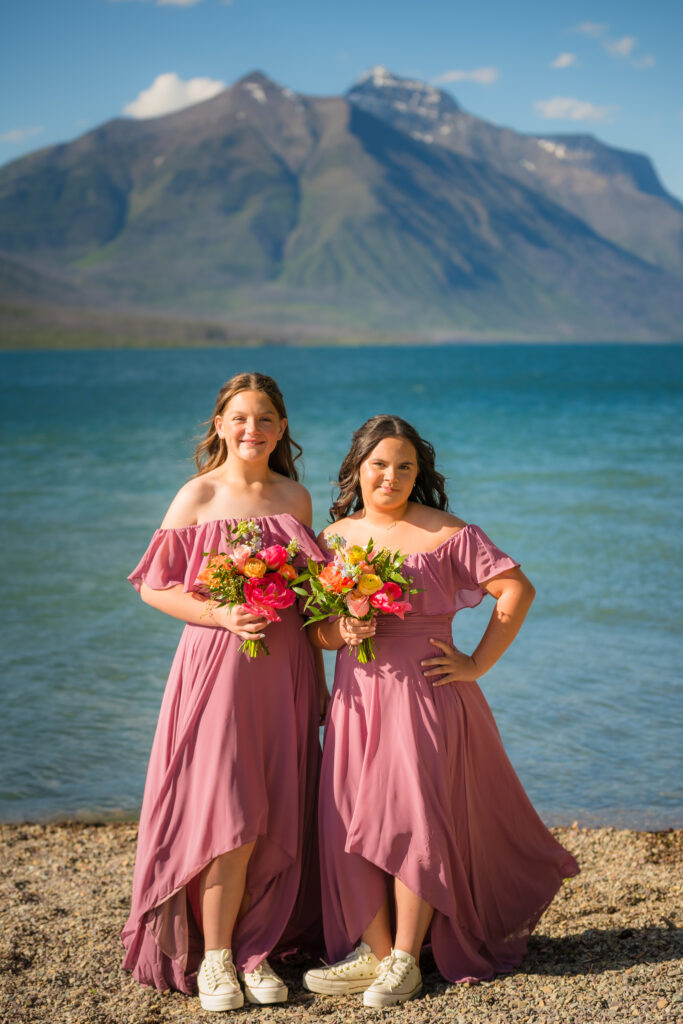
x: 608, y: 949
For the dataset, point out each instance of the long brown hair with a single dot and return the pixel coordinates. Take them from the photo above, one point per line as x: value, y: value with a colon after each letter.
x: 429, y: 484
x: 213, y: 450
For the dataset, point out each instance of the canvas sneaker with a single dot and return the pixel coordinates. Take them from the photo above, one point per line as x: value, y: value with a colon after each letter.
x: 217, y: 981
x: 263, y: 985
x: 398, y: 979
x: 353, y: 974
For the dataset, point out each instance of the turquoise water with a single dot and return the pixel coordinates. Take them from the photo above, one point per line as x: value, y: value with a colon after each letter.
x: 568, y: 456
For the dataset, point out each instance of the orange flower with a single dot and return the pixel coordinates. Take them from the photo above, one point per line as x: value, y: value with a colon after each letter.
x: 254, y: 568
x: 288, y: 571
x: 332, y: 579
x: 208, y: 572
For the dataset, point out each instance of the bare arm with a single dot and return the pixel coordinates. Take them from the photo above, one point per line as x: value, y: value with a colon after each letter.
x: 331, y: 635
x: 513, y: 593
x: 199, y: 611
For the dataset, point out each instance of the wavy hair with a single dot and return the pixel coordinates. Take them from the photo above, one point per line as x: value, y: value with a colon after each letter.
x: 429, y: 484
x: 213, y: 451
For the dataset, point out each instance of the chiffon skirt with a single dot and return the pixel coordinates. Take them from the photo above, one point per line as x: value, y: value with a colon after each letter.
x: 416, y: 784
x: 235, y: 759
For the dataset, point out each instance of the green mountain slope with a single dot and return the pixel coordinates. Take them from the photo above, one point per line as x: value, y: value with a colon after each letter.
x: 267, y: 206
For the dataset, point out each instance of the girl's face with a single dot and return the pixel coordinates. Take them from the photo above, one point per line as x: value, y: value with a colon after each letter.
x: 388, y: 474
x: 250, y: 425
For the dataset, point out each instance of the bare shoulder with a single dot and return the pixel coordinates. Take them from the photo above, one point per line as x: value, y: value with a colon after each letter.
x: 296, y: 500
x: 441, y: 523
x: 185, y: 508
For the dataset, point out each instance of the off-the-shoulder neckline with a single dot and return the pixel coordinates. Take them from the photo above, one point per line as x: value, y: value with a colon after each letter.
x: 448, y: 540
x: 279, y: 515
x: 233, y: 519
x: 433, y: 551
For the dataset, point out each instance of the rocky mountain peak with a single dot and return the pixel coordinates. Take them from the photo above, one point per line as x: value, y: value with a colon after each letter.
x: 381, y: 93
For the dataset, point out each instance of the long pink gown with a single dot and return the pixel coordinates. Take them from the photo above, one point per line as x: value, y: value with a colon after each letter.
x: 235, y: 758
x: 416, y: 784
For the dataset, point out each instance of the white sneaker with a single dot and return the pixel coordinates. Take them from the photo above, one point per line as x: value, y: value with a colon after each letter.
x: 217, y: 981
x: 263, y: 985
x: 398, y: 979
x: 353, y: 974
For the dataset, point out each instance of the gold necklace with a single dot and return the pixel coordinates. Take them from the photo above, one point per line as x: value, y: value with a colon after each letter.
x: 384, y: 529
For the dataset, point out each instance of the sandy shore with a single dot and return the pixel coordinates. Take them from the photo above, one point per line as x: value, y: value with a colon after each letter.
x: 609, y: 948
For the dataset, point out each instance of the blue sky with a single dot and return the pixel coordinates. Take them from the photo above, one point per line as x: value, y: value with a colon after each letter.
x: 612, y: 69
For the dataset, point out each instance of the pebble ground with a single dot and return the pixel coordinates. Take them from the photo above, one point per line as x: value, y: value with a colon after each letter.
x: 608, y: 949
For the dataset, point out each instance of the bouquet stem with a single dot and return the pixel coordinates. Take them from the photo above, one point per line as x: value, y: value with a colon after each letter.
x: 253, y: 648
x: 366, y: 651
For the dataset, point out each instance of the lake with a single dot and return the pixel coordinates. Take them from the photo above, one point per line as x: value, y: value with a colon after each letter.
x: 568, y: 456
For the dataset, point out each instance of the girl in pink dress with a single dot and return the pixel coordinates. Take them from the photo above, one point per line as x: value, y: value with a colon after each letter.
x: 424, y: 826
x: 226, y: 868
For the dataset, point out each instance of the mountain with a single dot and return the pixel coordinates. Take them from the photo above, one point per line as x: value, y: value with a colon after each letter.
x: 618, y: 194
x: 264, y: 205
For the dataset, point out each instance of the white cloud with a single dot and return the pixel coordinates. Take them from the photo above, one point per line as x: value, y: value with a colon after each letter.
x: 591, y: 28
x: 484, y: 76
x: 168, y: 92
x: 564, y: 60
x: 621, y: 47
x: 563, y: 108
x: 21, y: 134
x: 646, y: 61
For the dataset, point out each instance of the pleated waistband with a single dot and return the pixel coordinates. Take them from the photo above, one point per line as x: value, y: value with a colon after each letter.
x: 414, y: 625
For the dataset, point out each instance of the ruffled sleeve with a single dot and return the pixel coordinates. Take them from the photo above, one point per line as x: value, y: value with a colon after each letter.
x: 166, y: 561
x: 177, y: 556
x: 476, y: 560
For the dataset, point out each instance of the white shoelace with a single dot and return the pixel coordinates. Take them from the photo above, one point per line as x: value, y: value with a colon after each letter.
x: 264, y: 970
x: 393, y: 969
x: 218, y: 971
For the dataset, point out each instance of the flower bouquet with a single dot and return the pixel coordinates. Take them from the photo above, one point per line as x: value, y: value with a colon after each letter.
x: 259, y: 578
x: 359, y: 582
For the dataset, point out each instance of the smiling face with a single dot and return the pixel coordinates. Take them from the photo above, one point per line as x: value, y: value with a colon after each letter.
x: 388, y: 474
x: 250, y: 426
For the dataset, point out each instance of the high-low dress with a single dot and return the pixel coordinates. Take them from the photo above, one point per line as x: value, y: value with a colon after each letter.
x: 415, y: 783
x: 235, y: 758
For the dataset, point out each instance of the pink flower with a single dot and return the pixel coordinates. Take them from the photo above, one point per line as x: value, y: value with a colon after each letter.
x: 274, y: 556
x: 358, y: 604
x: 263, y: 596
x: 385, y: 600
x: 240, y: 555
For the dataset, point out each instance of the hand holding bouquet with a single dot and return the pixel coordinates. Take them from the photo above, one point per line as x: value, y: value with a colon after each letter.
x: 359, y: 582
x: 259, y: 579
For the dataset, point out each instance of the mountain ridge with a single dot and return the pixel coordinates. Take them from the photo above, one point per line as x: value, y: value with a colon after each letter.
x: 264, y: 204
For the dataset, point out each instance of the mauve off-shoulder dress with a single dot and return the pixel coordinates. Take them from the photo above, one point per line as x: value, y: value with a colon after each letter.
x: 235, y: 758
x: 416, y: 784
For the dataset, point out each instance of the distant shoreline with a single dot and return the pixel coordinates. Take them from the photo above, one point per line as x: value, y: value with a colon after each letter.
x: 41, y: 327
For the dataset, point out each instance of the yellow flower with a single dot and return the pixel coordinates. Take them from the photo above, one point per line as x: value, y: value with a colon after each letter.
x: 369, y: 583
x: 254, y: 568
x: 355, y: 554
